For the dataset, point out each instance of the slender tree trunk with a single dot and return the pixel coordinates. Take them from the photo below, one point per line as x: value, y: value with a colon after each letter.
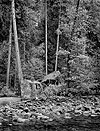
x: 20, y: 76
x: 71, y: 36
x: 56, y: 64
x: 24, y: 53
x: 9, y: 52
x: 46, y: 36
x: 58, y: 34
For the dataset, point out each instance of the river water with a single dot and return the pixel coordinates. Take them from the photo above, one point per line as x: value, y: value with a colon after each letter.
x: 61, y: 128
x: 75, y: 124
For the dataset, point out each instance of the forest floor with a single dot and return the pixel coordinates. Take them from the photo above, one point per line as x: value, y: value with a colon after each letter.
x: 54, y: 112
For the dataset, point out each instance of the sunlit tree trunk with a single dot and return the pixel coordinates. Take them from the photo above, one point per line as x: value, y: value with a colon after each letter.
x: 46, y: 36
x: 58, y: 34
x: 20, y: 76
x: 9, y: 52
x: 56, y: 64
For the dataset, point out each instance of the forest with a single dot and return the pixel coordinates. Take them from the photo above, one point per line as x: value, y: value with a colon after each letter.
x: 49, y: 62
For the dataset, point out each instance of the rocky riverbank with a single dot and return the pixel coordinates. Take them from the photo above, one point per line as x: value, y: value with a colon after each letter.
x: 47, y: 111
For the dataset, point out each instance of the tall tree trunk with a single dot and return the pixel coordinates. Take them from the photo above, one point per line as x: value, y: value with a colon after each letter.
x: 75, y: 18
x: 15, y: 75
x: 58, y: 34
x: 71, y: 36
x: 9, y: 52
x: 20, y: 76
x: 46, y: 36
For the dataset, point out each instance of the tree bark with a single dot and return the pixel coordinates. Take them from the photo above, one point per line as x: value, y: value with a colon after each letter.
x: 20, y: 75
x: 46, y: 37
x: 9, y: 52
